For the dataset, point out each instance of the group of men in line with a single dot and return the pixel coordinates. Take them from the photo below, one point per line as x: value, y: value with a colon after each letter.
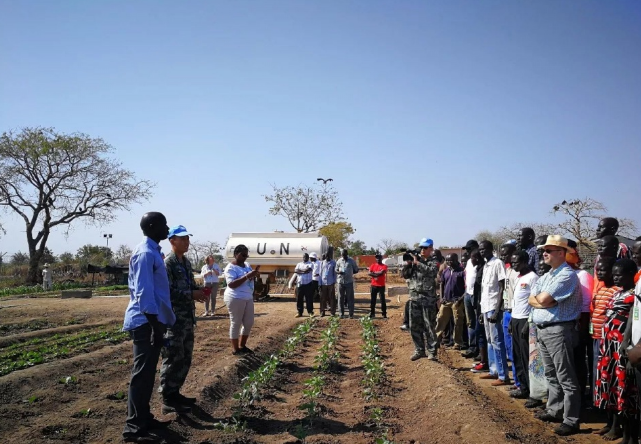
x: 564, y: 331
x: 320, y: 277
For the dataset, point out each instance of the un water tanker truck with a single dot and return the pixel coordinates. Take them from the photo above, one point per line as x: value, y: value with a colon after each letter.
x: 277, y: 254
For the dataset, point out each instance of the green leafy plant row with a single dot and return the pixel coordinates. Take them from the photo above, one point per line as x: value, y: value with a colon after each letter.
x: 35, y: 289
x: 16, y: 358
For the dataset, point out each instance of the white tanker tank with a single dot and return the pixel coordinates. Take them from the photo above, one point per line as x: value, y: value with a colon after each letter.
x: 277, y: 254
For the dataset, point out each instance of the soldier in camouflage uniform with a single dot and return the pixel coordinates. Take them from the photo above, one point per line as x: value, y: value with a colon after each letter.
x: 179, y: 342
x: 421, y: 274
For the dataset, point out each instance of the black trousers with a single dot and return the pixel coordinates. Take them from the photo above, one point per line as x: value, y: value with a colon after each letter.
x: 584, y: 350
x: 306, y: 294
x: 141, y: 386
x: 521, y: 353
x: 315, y: 291
x: 406, y: 314
x: 374, y: 292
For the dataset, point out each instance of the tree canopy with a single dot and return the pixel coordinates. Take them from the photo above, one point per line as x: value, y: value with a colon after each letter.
x: 307, y: 208
x: 338, y: 233
x: 51, y: 180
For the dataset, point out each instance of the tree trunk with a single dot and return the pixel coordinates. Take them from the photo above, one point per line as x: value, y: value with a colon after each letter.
x: 33, y: 276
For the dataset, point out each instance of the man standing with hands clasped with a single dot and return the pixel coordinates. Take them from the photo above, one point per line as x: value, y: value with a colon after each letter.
x: 378, y: 272
x: 178, y: 351
x: 147, y: 317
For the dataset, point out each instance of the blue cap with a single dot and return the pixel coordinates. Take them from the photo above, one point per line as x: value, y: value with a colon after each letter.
x: 426, y: 242
x: 178, y: 230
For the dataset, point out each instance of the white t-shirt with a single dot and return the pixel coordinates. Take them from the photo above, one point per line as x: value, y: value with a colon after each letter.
x: 522, y: 290
x: 587, y: 282
x: 470, y: 277
x: 246, y: 289
x: 210, y: 278
x: 493, y: 272
x: 636, y: 309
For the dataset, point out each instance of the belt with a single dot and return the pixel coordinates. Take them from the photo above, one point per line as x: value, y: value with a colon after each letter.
x: 508, y: 310
x: 550, y: 324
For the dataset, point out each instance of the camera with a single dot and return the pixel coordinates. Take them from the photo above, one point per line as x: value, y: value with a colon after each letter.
x: 409, y: 253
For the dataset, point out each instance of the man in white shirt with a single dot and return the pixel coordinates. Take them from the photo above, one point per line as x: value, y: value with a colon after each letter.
x: 519, y: 325
x: 210, y: 273
x: 470, y: 311
x: 305, y: 290
x: 316, y: 269
x: 492, y: 288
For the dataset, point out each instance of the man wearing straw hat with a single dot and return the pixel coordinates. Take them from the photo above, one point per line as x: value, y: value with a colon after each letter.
x: 556, y: 300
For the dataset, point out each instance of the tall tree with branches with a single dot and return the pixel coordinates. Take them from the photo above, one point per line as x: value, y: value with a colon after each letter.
x: 307, y: 208
x: 51, y: 180
x: 582, y: 217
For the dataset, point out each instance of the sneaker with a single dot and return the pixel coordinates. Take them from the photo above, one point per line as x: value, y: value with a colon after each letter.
x: 489, y: 376
x: 405, y: 327
x: 468, y: 354
x: 547, y: 417
x: 417, y: 355
x: 174, y: 406
x: 500, y: 382
x: 204, y: 314
x: 519, y: 394
x: 143, y: 437
x: 532, y: 403
x: 566, y: 430
x: 299, y: 315
x: 185, y: 400
x: 480, y: 368
x: 431, y: 357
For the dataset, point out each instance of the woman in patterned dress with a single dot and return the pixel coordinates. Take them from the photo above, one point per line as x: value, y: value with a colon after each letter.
x: 615, y: 390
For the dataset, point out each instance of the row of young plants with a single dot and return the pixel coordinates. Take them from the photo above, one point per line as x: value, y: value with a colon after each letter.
x: 56, y: 287
x: 257, y: 380
x: 37, y: 351
x: 325, y: 362
x: 375, y: 377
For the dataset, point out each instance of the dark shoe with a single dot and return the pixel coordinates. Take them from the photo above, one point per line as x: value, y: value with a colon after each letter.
x: 500, y: 382
x: 519, y: 394
x: 372, y: 316
x: 489, y: 376
x: 432, y: 357
x: 532, y: 403
x: 384, y: 316
x: 478, y: 358
x: 185, y: 400
x: 173, y: 405
x: 322, y: 314
x: 545, y: 416
x: 417, y: 355
x: 468, y: 354
x: 246, y: 350
x: 145, y: 437
x: 405, y: 327
x: 351, y: 316
x: 155, y: 424
x: 566, y: 430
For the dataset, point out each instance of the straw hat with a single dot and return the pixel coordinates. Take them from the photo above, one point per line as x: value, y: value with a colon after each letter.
x: 557, y: 241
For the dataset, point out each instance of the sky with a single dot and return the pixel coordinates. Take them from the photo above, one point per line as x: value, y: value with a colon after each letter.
x: 434, y: 119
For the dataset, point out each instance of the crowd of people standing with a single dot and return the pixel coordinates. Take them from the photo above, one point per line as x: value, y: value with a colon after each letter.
x: 572, y: 337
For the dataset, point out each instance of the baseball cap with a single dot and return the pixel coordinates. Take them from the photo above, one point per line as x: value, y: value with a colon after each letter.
x: 426, y: 242
x: 471, y: 245
x: 314, y: 255
x: 178, y: 230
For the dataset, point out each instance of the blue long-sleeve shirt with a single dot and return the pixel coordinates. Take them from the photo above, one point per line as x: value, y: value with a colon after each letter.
x: 148, y: 287
x: 328, y: 272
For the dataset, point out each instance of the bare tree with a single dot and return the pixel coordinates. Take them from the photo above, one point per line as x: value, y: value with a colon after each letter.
x: 390, y: 246
x: 51, y: 180
x: 512, y: 231
x: 200, y: 250
x: 307, y: 208
x: 582, y: 217
x: 123, y: 254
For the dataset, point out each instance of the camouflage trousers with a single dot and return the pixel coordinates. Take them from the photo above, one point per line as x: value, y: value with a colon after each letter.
x: 176, y: 358
x: 423, y: 324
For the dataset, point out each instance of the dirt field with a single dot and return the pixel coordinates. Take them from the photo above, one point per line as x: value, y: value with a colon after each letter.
x: 77, y: 394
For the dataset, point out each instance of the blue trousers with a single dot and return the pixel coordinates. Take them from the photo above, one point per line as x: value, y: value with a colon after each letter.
x: 507, y: 316
x: 472, y: 321
x: 496, y: 345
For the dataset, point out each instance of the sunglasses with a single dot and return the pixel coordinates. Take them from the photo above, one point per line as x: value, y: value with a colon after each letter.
x: 548, y: 251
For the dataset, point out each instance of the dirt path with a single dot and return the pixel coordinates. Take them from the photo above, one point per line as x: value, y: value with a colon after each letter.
x: 423, y: 401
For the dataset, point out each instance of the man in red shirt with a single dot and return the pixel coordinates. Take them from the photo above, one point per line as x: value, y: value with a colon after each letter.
x: 378, y: 271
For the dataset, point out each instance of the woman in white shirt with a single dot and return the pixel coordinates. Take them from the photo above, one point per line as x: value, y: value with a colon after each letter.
x: 239, y: 298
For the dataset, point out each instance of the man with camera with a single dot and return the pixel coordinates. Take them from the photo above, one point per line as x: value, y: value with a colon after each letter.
x: 420, y: 270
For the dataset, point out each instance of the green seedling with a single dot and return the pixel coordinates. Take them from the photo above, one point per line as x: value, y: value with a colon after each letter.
x: 85, y: 412
x: 32, y: 399
x: 68, y: 380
